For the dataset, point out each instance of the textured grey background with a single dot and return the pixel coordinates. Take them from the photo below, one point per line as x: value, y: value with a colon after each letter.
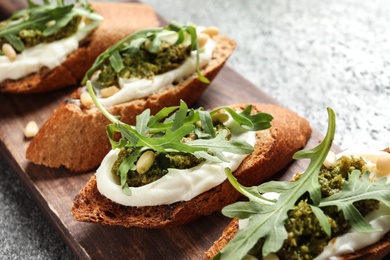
x: 307, y: 54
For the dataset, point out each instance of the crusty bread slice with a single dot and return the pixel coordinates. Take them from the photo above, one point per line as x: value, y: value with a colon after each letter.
x: 273, y: 150
x: 120, y: 20
x: 376, y: 251
x: 76, y: 138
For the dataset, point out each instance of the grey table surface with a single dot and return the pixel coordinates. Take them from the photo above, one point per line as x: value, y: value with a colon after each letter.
x: 307, y: 54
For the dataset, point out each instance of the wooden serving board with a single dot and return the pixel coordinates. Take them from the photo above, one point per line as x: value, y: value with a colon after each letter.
x: 54, y: 189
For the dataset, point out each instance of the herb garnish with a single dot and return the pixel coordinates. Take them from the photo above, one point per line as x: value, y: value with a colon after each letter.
x: 49, y: 18
x: 267, y: 217
x: 133, y: 43
x: 164, y: 131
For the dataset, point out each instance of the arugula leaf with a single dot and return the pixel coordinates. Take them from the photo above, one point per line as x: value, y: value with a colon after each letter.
x: 250, y: 122
x: 322, y: 219
x: 180, y: 116
x: 251, y: 193
x: 207, y: 123
x: 317, y: 156
x: 154, y: 121
x: 32, y: 4
x: 267, y: 222
x: 15, y: 42
x: 219, y: 144
x: 64, y: 15
x: 156, y: 125
x: 116, y: 61
x: 142, y: 122
x: 128, y: 133
x: 127, y: 164
x: 169, y: 140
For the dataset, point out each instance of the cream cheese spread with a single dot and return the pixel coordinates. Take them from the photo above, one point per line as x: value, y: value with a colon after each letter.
x: 176, y: 185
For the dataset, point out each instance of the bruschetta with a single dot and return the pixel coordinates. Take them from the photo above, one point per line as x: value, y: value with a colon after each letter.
x: 337, y: 209
x: 51, y: 45
x: 168, y: 169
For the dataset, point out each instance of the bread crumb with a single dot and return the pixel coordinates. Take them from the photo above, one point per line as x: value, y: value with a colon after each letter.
x: 31, y: 129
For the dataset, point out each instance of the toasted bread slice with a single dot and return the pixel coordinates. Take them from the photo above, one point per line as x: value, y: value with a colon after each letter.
x: 273, y: 150
x: 120, y: 20
x: 76, y: 138
x: 376, y: 251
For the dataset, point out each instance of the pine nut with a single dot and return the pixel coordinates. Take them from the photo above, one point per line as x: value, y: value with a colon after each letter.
x: 202, y: 39
x: 108, y: 92
x: 50, y: 23
x: 31, y: 129
x: 220, y: 117
x: 198, y: 124
x: 383, y: 163
x: 148, y: 43
x: 9, y: 51
x: 330, y: 160
x: 86, y: 99
x: 211, y: 31
x: 145, y: 161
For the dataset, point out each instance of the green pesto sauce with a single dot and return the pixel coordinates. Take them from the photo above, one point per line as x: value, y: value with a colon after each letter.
x: 160, y: 166
x: 306, y: 239
x: 144, y: 64
x: 32, y: 37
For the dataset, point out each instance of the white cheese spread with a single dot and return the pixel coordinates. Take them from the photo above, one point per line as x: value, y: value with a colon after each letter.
x: 176, y: 185
x: 49, y: 55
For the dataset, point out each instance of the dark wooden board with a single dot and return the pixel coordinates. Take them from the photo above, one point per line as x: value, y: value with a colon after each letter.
x: 54, y: 189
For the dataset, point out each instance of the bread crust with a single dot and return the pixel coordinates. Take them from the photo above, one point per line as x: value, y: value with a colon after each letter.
x: 76, y: 138
x: 120, y: 20
x: 273, y: 151
x: 227, y: 234
x: 375, y: 251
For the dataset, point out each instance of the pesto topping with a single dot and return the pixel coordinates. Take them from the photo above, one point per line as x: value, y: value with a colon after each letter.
x: 332, y: 179
x: 159, y: 168
x: 144, y: 64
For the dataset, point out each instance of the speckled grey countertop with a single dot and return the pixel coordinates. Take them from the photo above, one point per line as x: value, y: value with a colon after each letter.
x: 307, y: 54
